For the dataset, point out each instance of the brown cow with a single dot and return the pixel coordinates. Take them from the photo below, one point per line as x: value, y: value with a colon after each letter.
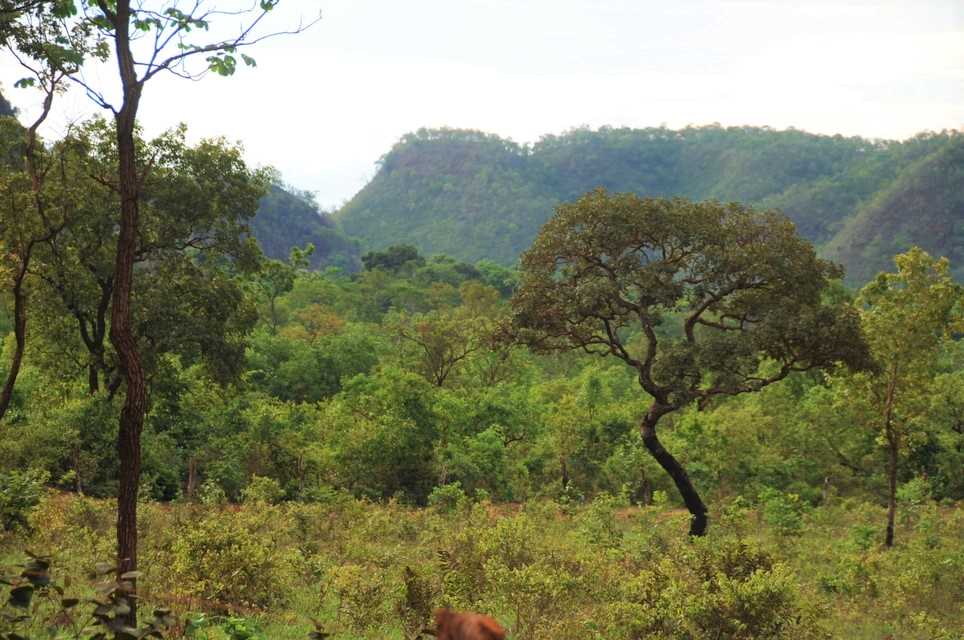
x: 466, y: 626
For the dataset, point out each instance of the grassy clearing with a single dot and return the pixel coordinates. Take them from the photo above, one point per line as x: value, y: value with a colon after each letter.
x: 600, y: 570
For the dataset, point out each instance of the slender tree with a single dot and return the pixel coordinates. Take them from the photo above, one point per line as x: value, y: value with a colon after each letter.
x: 29, y: 217
x: 169, y: 37
x: 702, y: 300
x: 908, y: 317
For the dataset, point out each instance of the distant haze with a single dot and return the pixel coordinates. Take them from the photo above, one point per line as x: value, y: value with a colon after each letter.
x: 323, y: 106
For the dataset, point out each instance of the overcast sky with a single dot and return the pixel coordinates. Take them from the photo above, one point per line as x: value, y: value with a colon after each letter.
x: 323, y: 106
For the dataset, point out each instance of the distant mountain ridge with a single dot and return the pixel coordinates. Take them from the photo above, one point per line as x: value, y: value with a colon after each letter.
x: 476, y: 196
x: 287, y: 219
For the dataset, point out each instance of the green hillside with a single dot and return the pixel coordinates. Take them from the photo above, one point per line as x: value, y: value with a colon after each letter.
x: 463, y: 193
x: 474, y: 195
x: 285, y: 220
x: 923, y: 205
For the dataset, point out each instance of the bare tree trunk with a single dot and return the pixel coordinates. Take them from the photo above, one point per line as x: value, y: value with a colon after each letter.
x: 78, y: 479
x: 646, y: 492
x: 675, y: 470
x: 191, y: 488
x: 121, y: 329
x: 93, y: 380
x: 565, y: 473
x: 893, y: 446
x: 891, y: 488
x: 125, y: 343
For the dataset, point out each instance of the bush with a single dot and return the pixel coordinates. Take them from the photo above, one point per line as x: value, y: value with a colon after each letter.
x: 448, y: 497
x: 597, y: 523
x: 914, y: 492
x: 263, y: 490
x: 35, y: 604
x: 211, y: 493
x: 367, y: 598
x: 232, y: 561
x: 741, y: 593
x: 762, y: 604
x: 20, y: 492
x: 782, y: 511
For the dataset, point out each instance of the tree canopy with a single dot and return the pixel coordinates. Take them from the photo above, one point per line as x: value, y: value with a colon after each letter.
x: 701, y: 299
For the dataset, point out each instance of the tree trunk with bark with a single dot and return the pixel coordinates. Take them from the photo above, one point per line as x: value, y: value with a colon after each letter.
x: 121, y: 330
x: 893, y: 450
x: 891, y: 487
x: 20, y: 336
x: 694, y: 504
x: 190, y: 490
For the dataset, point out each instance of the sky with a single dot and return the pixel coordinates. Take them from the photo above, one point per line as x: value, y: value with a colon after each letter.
x: 323, y: 106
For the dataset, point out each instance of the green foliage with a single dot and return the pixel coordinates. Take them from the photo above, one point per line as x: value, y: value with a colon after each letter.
x: 36, y: 603
x: 296, y: 417
x: 448, y: 497
x: 394, y: 259
x: 19, y: 493
x: 782, y: 511
x: 364, y: 596
x: 387, y: 426
x: 263, y: 490
x: 744, y: 294
x: 602, y: 570
x: 226, y: 560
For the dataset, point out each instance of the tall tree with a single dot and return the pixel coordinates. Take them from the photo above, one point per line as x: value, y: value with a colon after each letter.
x: 702, y: 300
x: 176, y: 33
x: 908, y: 317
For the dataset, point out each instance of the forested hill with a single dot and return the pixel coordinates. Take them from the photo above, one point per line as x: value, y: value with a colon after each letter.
x: 474, y: 195
x: 286, y: 219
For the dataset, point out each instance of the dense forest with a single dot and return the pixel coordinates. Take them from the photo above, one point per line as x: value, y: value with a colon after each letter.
x: 476, y: 196
x: 600, y: 387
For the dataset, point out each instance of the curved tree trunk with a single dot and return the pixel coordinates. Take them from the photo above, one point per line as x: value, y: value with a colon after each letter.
x: 694, y: 504
x: 121, y: 321
x: 19, y: 297
x: 20, y: 334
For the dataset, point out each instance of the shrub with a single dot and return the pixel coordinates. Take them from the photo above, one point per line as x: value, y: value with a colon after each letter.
x: 263, y: 490
x: 366, y: 596
x: 782, y: 511
x: 414, y: 609
x: 211, y: 493
x: 36, y: 604
x: 448, y: 497
x: 763, y: 604
x: 914, y: 492
x: 597, y: 523
x: 742, y: 594
x: 20, y: 492
x: 229, y: 560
